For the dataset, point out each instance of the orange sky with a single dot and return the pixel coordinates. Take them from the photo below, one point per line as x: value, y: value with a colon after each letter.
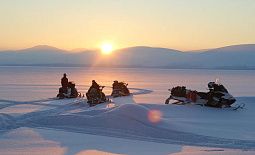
x: 178, y: 24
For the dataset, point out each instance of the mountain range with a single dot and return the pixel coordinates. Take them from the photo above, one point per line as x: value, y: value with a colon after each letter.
x: 229, y: 57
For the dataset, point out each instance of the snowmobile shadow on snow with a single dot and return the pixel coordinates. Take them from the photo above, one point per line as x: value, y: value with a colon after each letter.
x: 218, y: 96
x: 94, y: 98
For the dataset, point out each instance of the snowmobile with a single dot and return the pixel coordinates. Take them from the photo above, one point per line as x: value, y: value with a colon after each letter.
x: 69, y: 92
x: 218, y: 96
x: 95, y: 96
x: 120, y: 89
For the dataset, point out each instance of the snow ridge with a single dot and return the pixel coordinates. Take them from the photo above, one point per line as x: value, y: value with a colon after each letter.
x: 123, y: 119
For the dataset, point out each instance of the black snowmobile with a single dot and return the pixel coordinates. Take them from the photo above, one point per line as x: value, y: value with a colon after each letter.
x: 96, y: 96
x: 218, y: 96
x: 68, y: 92
x: 120, y: 89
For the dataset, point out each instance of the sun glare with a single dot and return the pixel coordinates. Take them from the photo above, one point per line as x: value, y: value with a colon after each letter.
x: 106, y: 48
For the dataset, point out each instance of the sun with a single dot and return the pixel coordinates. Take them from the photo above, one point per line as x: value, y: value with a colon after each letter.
x: 106, y: 48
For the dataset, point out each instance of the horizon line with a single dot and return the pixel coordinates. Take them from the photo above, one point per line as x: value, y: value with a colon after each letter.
x: 97, y: 49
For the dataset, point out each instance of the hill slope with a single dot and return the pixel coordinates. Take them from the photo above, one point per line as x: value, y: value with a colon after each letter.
x: 231, y: 57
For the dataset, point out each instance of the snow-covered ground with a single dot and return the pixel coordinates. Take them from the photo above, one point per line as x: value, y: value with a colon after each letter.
x: 137, y: 125
x: 125, y: 127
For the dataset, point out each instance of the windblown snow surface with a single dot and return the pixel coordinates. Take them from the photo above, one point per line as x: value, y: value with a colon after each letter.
x: 124, y: 127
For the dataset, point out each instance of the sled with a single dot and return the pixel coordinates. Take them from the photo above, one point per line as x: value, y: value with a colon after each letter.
x: 200, y: 102
x: 218, y: 96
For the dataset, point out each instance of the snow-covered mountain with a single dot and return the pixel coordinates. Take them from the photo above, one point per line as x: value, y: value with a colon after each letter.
x: 230, y: 57
x: 237, y: 56
x: 44, y: 55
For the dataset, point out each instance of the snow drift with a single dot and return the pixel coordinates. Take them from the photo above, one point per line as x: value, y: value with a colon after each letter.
x: 169, y: 124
